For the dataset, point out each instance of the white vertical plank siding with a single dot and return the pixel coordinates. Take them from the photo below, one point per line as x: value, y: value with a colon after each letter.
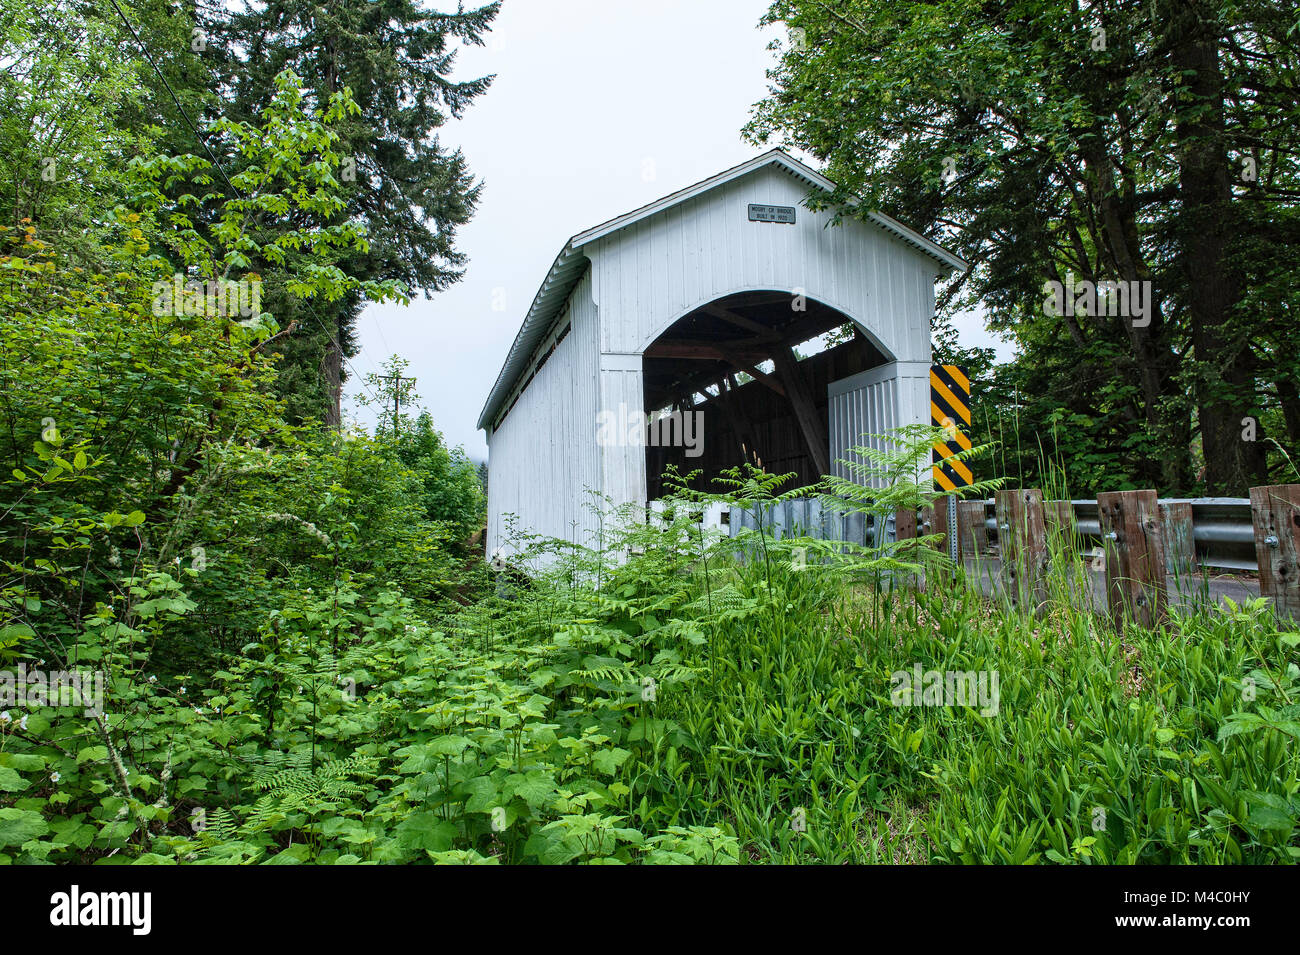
x: 653, y: 272
x: 545, y: 454
x: 622, y: 464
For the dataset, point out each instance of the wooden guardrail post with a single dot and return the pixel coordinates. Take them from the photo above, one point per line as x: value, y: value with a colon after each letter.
x: 907, y: 529
x: 971, y: 532
x: 1058, y: 518
x: 904, y: 524
x: 1133, y: 535
x: 1022, y: 538
x: 934, y: 523
x: 1059, y: 514
x: 1275, y: 512
x: 929, y: 523
x: 934, y: 520
x: 1180, y: 546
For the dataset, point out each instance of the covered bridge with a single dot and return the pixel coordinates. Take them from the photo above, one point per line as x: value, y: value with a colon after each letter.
x: 696, y: 304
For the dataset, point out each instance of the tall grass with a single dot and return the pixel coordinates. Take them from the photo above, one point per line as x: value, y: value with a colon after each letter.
x: 1168, y: 745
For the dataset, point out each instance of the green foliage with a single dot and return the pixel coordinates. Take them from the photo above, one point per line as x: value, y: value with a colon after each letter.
x: 452, y: 490
x: 891, y: 473
x: 63, y: 145
x: 1143, y: 141
x: 402, y: 183
x: 656, y: 697
x: 165, y: 530
x: 299, y: 660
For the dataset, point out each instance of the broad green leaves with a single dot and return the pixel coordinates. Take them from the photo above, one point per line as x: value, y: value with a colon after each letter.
x: 20, y: 825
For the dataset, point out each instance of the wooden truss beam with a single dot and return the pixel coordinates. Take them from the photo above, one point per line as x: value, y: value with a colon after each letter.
x: 805, y: 409
x: 745, y: 362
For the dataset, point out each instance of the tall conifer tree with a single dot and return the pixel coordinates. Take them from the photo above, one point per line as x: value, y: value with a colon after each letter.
x: 409, y: 188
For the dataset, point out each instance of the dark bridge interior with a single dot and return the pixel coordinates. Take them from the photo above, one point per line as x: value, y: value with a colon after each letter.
x: 708, y: 362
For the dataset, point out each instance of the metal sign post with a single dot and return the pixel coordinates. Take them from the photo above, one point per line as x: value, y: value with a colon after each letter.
x: 954, y: 551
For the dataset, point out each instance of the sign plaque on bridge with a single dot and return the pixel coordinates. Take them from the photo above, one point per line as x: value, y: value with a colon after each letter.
x: 761, y: 213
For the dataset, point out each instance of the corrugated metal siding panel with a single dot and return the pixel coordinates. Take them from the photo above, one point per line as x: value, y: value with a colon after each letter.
x: 655, y: 271
x: 545, y: 454
x: 872, y: 403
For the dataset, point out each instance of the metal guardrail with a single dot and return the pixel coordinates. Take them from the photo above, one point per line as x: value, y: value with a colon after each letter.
x: 1222, y: 530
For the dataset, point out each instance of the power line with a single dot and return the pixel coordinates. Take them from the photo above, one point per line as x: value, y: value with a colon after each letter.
x: 215, y: 162
x: 179, y: 107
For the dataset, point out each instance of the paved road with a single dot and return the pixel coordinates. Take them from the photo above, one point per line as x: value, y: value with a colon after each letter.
x: 1199, y: 588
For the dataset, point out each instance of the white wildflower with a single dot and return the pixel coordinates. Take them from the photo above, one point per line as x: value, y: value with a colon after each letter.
x: 308, y: 526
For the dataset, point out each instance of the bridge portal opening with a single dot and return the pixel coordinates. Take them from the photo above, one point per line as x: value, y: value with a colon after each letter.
x: 745, y: 378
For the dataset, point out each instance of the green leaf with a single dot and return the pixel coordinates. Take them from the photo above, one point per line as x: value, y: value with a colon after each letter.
x: 1239, y: 723
x: 92, y: 753
x: 24, y: 762
x: 607, y: 761
x: 11, y: 633
x: 20, y: 825
x: 1266, y: 817
x: 447, y: 746
x: 534, y: 787
x: 424, y: 830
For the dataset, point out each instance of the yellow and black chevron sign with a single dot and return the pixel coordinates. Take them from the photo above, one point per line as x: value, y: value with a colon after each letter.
x: 950, y: 410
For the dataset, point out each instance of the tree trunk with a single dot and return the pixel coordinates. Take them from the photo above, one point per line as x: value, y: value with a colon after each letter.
x: 1155, y: 360
x: 1225, y: 390
x: 332, y: 367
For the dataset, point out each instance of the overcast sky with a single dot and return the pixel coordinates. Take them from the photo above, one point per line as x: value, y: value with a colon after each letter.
x: 598, y: 106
